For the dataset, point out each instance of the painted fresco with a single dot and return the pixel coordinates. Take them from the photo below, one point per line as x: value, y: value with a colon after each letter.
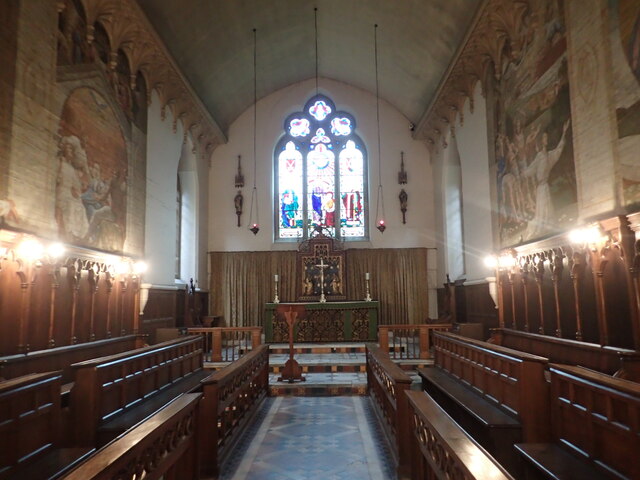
x: 625, y: 54
x: 534, y: 152
x: 91, y: 182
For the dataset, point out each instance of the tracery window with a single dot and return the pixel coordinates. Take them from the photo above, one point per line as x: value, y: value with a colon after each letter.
x: 320, y: 170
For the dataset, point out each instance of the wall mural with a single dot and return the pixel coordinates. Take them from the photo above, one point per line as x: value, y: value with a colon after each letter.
x: 534, y: 152
x: 91, y: 182
x: 625, y: 54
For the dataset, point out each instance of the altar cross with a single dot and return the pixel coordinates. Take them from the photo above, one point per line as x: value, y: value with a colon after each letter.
x: 322, y: 266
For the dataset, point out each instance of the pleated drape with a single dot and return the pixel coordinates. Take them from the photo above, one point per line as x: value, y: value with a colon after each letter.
x: 242, y: 282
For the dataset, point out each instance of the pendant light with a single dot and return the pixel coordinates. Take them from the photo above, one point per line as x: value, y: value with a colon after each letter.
x: 254, y: 223
x: 380, y: 224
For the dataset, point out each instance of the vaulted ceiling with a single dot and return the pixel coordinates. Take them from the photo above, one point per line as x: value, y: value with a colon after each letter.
x: 212, y: 43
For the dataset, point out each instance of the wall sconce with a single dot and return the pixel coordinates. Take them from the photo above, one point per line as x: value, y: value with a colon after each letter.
x: 588, y: 236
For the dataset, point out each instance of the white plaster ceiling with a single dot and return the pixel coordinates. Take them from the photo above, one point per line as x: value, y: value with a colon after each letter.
x: 212, y: 43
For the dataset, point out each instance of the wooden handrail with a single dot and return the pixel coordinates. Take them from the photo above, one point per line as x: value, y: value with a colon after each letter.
x: 213, y: 339
x: 231, y: 396
x: 424, y: 338
x: 137, y: 353
x: 492, y: 349
x: 441, y: 449
x: 145, y: 449
x: 386, y: 382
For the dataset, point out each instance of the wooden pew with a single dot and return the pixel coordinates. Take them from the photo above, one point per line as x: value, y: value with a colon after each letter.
x: 386, y: 384
x: 498, y: 395
x: 30, y: 429
x: 615, y: 361
x: 163, y: 446
x: 231, y: 398
x: 61, y: 358
x: 113, y: 393
x: 595, y: 425
x: 409, y: 341
x: 441, y: 449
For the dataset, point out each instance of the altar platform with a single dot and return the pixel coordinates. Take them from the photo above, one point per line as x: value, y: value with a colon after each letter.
x: 330, y: 369
x: 323, y: 322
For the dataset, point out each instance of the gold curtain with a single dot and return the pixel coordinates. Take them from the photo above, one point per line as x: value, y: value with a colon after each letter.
x: 242, y: 282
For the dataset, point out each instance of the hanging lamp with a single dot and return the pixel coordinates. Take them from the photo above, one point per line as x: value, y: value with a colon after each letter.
x: 254, y: 223
x: 380, y: 223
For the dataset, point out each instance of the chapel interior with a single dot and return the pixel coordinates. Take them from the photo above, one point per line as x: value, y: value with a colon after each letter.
x: 268, y: 239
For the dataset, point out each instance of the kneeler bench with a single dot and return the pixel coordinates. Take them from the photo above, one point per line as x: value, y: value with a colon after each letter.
x: 112, y: 394
x: 30, y: 429
x: 548, y: 460
x: 490, y: 426
x: 595, y: 427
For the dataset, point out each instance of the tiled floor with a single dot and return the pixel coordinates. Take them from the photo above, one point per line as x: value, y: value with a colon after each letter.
x: 312, y: 438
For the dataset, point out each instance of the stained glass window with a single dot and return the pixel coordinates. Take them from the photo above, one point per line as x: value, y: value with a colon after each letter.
x: 320, y: 165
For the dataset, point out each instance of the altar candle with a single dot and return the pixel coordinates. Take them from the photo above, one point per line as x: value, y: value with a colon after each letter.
x: 275, y: 277
x: 366, y: 276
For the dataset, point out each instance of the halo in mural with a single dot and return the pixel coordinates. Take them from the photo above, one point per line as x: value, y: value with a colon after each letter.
x: 91, y: 182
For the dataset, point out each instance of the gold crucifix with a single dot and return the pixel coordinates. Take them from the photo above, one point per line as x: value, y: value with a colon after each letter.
x: 322, y: 266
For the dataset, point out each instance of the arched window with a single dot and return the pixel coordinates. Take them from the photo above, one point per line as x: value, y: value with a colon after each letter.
x: 320, y: 171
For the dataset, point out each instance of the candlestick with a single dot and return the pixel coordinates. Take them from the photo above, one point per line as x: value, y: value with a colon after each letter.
x: 366, y: 278
x: 275, y: 298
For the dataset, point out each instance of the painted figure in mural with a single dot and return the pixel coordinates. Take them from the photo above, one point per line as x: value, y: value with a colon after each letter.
x: 8, y: 210
x: 539, y: 169
x: 289, y: 207
x: 70, y: 212
x: 95, y: 196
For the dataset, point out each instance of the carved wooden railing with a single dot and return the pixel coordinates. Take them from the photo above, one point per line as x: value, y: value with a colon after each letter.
x: 619, y: 362
x: 227, y: 344
x: 386, y: 383
x: 408, y: 341
x: 107, y: 386
x: 441, y: 449
x: 231, y: 396
x: 512, y: 380
x: 61, y: 358
x: 163, y: 446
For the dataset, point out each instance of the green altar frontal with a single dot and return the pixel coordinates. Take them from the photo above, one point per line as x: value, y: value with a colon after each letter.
x: 324, y: 322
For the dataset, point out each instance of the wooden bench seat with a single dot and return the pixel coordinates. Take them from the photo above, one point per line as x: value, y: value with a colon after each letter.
x: 120, y: 422
x: 437, y: 383
x: 441, y: 449
x: 30, y: 429
x: 498, y: 395
x: 595, y: 426
x: 111, y: 394
x: 554, y: 462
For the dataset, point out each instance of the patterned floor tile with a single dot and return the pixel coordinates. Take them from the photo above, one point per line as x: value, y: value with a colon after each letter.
x: 300, y: 438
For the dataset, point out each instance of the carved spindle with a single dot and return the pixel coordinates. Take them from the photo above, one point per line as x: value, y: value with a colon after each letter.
x: 108, y: 278
x: 136, y: 304
x: 94, y: 277
x: 556, y: 275
x: 539, y: 273
x: 25, y: 306
x: 599, y: 263
x: 635, y: 274
x: 577, y: 275
x: 123, y: 291
x: 55, y: 285
x: 74, y: 275
x: 524, y: 277
x: 510, y: 275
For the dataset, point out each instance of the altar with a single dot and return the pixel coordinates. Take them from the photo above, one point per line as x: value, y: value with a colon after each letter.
x: 355, y: 321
